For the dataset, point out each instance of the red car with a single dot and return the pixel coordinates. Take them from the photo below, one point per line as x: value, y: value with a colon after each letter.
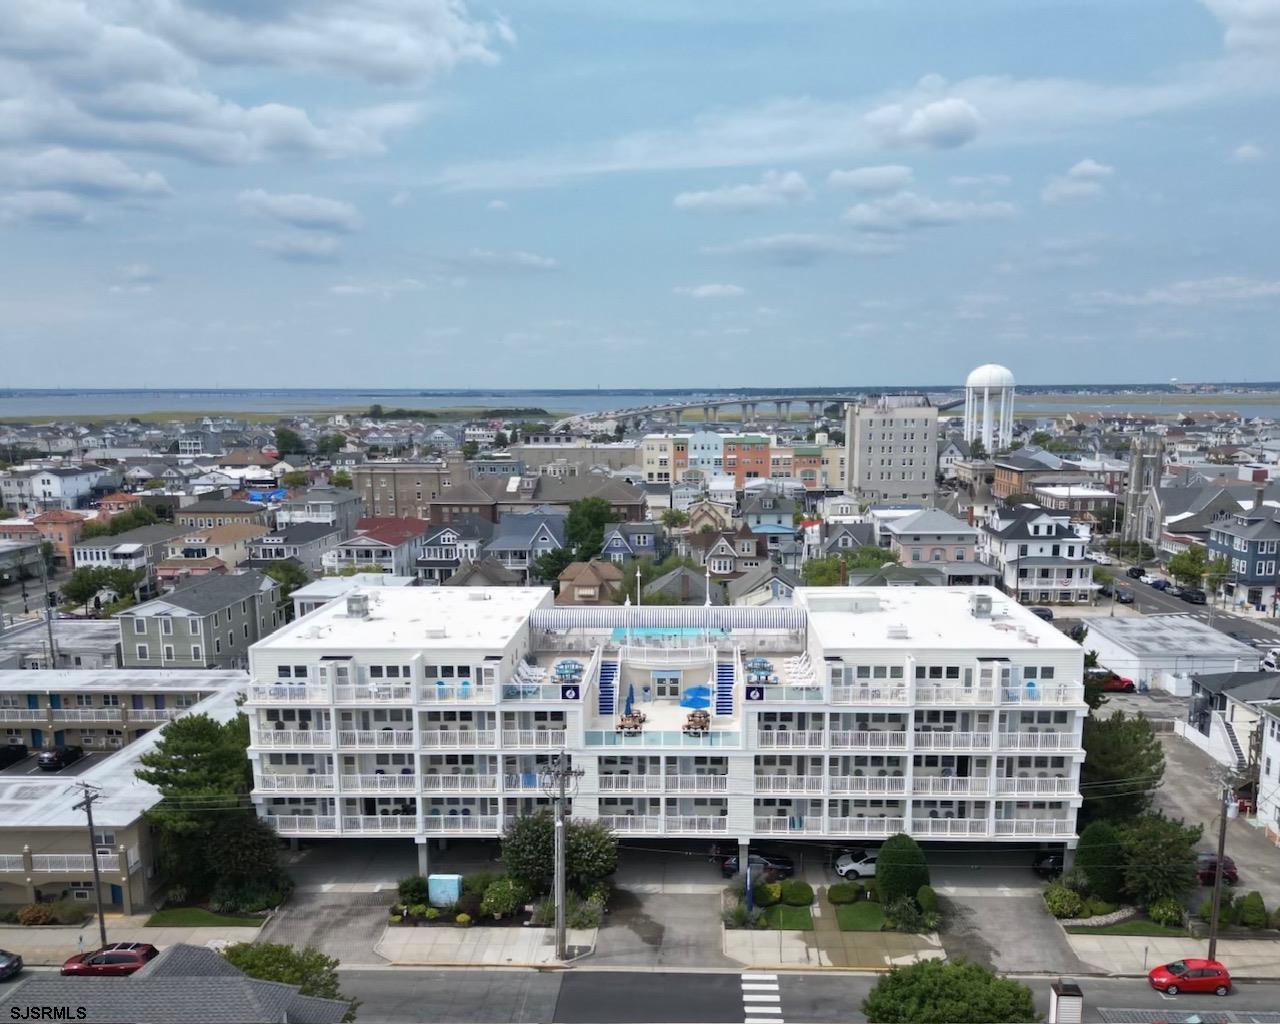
x: 1110, y: 682
x: 1207, y: 867
x: 114, y: 960
x: 1191, y: 976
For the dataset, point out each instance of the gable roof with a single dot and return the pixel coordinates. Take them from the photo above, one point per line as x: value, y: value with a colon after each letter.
x: 219, y: 505
x: 673, y: 583
x: 930, y: 520
x: 521, y: 531
x: 204, y: 595
x: 1242, y: 686
x: 761, y: 575
x: 390, y: 530
x: 594, y: 571
x: 488, y: 572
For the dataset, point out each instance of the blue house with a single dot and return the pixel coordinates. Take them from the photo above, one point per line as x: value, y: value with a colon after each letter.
x: 626, y: 541
x: 1250, y: 542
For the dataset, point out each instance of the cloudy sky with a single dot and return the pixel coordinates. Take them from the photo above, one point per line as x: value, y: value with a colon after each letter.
x: 434, y: 193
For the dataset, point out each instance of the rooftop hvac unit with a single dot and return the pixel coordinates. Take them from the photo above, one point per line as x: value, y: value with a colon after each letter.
x: 898, y: 631
x: 980, y: 606
x: 358, y: 606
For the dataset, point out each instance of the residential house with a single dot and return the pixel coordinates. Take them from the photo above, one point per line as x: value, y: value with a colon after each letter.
x: 305, y: 543
x: 683, y: 585
x: 768, y: 584
x: 1039, y: 555
x: 380, y: 543
x: 1268, y: 797
x: 716, y: 514
x: 222, y: 512
x: 1225, y: 710
x: 1171, y: 518
x: 205, y: 622
x: 519, y: 541
x: 836, y: 538
x: 485, y: 572
x: 62, y: 529
x: 112, y: 505
x: 726, y: 552
x: 142, y: 548
x: 64, y: 486
x: 468, y: 500
x: 626, y: 541
x: 1250, y: 542
x: 202, y: 550
x: 338, y: 507
x: 1021, y: 473
x: 951, y: 452
x: 447, y: 547
x: 747, y: 457
x: 593, y: 582
x: 931, y: 535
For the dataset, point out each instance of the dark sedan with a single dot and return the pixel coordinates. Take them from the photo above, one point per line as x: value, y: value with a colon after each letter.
x: 766, y: 867
x: 1207, y: 868
x: 10, y: 964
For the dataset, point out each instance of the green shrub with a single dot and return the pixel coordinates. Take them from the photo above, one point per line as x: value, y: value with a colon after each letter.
x: 580, y: 913
x: 431, y: 913
x: 1085, y: 913
x: 1075, y: 880
x: 478, y: 884
x: 469, y: 903
x: 1062, y: 902
x: 927, y: 899
x: 904, y: 916
x: 1253, y: 912
x: 599, y: 892
x: 1097, y: 861
x: 737, y: 917
x: 766, y: 894
x: 463, y: 920
x: 1205, y: 910
x: 796, y: 893
x: 396, y: 918
x: 844, y: 892
x: 412, y: 889
x: 176, y: 895
x: 503, y: 897
x: 1231, y: 909
x: 1099, y: 907
x: 9, y: 915
x: 900, y: 869
x: 68, y: 912
x: 1275, y: 918
x: 1166, y: 911
x: 35, y: 913
x: 417, y: 910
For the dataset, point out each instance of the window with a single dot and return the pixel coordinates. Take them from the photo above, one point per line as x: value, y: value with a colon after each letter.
x: 217, y: 646
x: 166, y: 627
x: 111, y: 700
x: 231, y: 638
x: 139, y: 627
x: 194, y: 626
x: 142, y: 652
x: 84, y: 700
x: 196, y: 653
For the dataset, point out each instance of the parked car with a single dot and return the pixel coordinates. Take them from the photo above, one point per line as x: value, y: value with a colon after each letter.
x: 10, y: 964
x: 12, y: 753
x: 113, y: 960
x: 856, y: 864
x: 1160, y: 584
x: 1103, y: 559
x: 1135, y: 572
x: 1207, y: 868
x: 1124, y: 596
x: 1190, y: 976
x: 1042, y: 613
x: 1271, y: 660
x: 1111, y: 682
x: 1047, y: 865
x: 56, y: 758
x: 1173, y: 590
x: 1193, y: 596
x: 1147, y: 578
x: 770, y: 866
x: 1106, y: 590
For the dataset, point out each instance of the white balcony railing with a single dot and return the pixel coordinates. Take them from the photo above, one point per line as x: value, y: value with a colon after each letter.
x: 154, y: 714
x: 24, y: 715
x: 1037, y: 741
x: 844, y: 739
x: 374, y: 693
x: 87, y: 714
x: 954, y: 740
x: 376, y: 739
x: 58, y: 862
x: 479, y: 783
x: 434, y: 738
x: 648, y: 783
x: 11, y: 862
x: 650, y: 824
x: 533, y: 739
x: 869, y: 695
x: 1034, y: 827
x: 859, y: 826
x: 1054, y: 786
x: 843, y: 784
x: 798, y: 825
x: 294, y: 738
x: 268, y: 693
x: 460, y: 823
x: 294, y: 783
x: 441, y: 693
x: 950, y: 826
x: 308, y: 824
x: 937, y: 785
x: 700, y: 823
x: 1043, y: 693
x: 353, y: 783
x: 798, y: 739
x: 789, y: 783
x: 955, y: 694
x: 374, y: 823
x: 710, y: 783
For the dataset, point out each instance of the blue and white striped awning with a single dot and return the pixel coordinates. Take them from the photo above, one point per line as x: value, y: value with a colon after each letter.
x: 668, y: 617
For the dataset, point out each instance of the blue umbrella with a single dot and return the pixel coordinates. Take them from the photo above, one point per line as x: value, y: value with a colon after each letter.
x: 631, y: 698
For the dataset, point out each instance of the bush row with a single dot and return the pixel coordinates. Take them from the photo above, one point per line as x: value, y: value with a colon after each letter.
x: 1247, y: 911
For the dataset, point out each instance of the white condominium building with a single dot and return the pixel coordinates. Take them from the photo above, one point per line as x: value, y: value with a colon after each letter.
x: 855, y: 714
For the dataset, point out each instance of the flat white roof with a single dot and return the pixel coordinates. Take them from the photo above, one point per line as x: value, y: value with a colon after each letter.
x: 74, y: 634
x: 416, y: 618
x: 329, y: 587
x: 1172, y: 636
x: 48, y: 801
x: 120, y: 680
x: 924, y: 618
x: 1063, y: 491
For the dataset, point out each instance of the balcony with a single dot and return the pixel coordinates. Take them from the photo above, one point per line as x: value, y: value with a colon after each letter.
x: 630, y: 783
x: 950, y: 826
x: 843, y: 739
x: 369, y: 824
x: 154, y: 714
x: 662, y: 738
x: 374, y: 693
x: 280, y: 693
x: 790, y: 739
x: 649, y: 824
x: 798, y: 825
x: 376, y: 739
x: 482, y: 783
x: 528, y: 690
x: 56, y: 863
x: 789, y: 694
x: 789, y: 783
x: 294, y: 738
x: 953, y: 740
x: 873, y: 695
x: 294, y: 783
x: 440, y: 738
x: 303, y: 824
x: 860, y: 826
x: 87, y: 714
x: 697, y: 783
x: 527, y: 781
x: 1038, y: 741
x: 1058, y: 694
x: 439, y: 693
x: 1035, y: 828
x: 701, y: 824
x: 11, y: 862
x: 24, y: 715
x: 533, y: 739
x: 1055, y: 786
x: 377, y: 783
x: 868, y: 784
x: 937, y: 785
x: 448, y: 824
x: 955, y: 694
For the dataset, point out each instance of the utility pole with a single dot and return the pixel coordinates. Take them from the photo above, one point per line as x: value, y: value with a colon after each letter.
x: 555, y: 782
x: 92, y: 793
x: 1217, y: 872
x: 48, y: 609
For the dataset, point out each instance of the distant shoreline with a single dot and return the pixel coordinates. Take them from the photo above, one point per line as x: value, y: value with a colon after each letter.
x: 441, y: 413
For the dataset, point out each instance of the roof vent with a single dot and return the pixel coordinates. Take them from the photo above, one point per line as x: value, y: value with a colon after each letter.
x: 980, y: 605
x: 897, y: 631
x: 435, y: 632
x: 358, y: 606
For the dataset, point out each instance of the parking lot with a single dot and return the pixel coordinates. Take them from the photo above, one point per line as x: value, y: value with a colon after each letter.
x: 28, y: 766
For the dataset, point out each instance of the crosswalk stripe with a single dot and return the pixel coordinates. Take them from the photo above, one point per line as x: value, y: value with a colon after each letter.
x: 760, y: 986
x: 759, y: 977
x: 753, y: 1008
x: 760, y: 997
x: 761, y: 1020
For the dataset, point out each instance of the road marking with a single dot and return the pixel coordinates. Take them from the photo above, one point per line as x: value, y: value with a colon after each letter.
x: 759, y: 977
x: 761, y: 999
x: 760, y: 986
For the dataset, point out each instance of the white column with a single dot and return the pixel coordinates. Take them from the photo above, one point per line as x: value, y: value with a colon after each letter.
x: 987, y: 423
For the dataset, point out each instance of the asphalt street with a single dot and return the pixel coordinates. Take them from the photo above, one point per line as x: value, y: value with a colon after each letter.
x: 1150, y: 601
x: 622, y: 997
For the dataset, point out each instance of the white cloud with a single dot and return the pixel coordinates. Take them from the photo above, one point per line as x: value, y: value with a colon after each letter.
x: 1248, y: 153
x: 497, y: 206
x: 1083, y: 181
x: 941, y: 124
x: 308, y: 248
x: 514, y: 262
x: 885, y: 178
x: 135, y: 278
x: 775, y: 188
x: 1196, y: 292
x: 907, y: 211
x: 101, y: 175
x: 1251, y: 25
x: 379, y: 289
x: 711, y: 291
x: 799, y: 249
x: 43, y: 207
x: 299, y: 210
x: 980, y: 180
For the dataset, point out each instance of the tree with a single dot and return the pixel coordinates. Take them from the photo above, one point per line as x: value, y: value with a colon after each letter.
x: 298, y: 478
x: 1216, y: 573
x: 1123, y: 766
x: 470, y: 449
x: 1189, y: 566
x: 340, y: 478
x: 1098, y: 859
x: 584, y: 529
x: 246, y: 851
x: 83, y: 585
x: 528, y: 851
x: 948, y: 992
x: 1041, y: 438
x: 290, y: 574
x: 375, y: 411
x: 825, y: 572
x: 673, y: 518
x: 314, y: 973
x: 500, y: 440
x: 328, y: 445
x: 289, y: 441
x: 900, y: 869
x: 1109, y: 519
x: 977, y: 450
x: 1159, y: 858
x: 153, y: 485
x: 550, y: 564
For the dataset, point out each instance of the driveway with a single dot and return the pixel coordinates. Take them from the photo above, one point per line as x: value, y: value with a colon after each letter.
x: 343, y: 925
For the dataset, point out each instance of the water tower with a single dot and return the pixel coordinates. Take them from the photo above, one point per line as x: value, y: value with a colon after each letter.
x: 988, y: 407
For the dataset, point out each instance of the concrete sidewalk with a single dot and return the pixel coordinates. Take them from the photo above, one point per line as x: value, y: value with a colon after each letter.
x: 51, y: 945
x: 479, y: 946
x: 1137, y: 954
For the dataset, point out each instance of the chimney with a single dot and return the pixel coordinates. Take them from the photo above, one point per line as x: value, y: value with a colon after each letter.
x: 844, y: 573
x: 1258, y: 493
